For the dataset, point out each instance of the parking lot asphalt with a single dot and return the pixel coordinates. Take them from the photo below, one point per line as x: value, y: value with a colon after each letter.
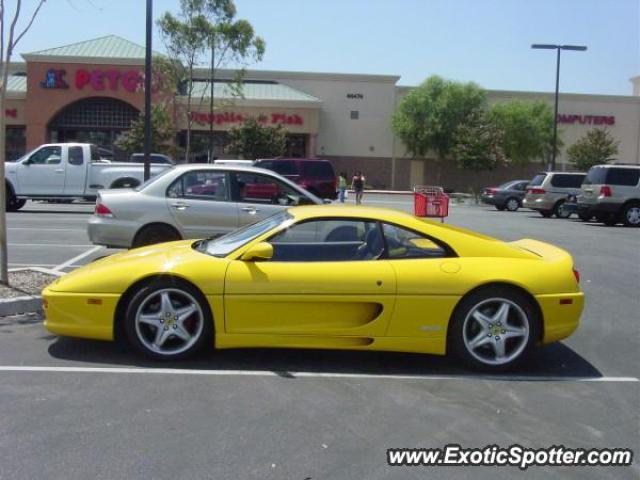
x: 78, y: 409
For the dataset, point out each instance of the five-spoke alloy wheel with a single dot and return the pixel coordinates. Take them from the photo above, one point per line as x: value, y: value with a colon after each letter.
x: 494, y: 328
x: 168, y: 320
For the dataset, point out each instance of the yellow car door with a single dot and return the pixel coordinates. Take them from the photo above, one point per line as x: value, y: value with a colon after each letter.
x: 325, y: 278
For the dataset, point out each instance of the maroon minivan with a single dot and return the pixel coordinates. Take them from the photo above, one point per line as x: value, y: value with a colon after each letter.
x: 315, y: 175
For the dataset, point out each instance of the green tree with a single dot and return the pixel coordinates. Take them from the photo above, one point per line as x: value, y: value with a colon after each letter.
x: 200, y: 25
x: 427, y: 117
x: 597, y: 146
x: 163, y: 132
x: 478, y: 146
x: 252, y: 140
x: 527, y: 127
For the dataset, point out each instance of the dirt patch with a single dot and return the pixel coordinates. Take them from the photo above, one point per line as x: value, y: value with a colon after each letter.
x: 25, y: 282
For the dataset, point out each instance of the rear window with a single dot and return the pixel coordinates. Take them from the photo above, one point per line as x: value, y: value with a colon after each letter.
x: 537, y: 180
x: 563, y: 180
x: 317, y: 169
x: 627, y: 177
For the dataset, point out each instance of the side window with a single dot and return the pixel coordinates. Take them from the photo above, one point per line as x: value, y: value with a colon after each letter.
x: 284, y: 167
x: 562, y: 180
x: 328, y: 241
x: 258, y: 188
x: 75, y: 156
x: 402, y: 243
x: 623, y: 176
x: 46, y: 156
x: 201, y: 185
x: 317, y: 169
x: 522, y: 186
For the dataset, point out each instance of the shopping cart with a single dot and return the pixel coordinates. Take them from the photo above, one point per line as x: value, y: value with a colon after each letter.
x: 430, y: 201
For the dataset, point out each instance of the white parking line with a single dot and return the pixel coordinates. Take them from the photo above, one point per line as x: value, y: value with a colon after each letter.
x: 78, y: 257
x: 266, y: 373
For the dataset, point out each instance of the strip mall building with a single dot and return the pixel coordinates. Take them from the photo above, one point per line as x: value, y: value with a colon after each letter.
x: 90, y: 92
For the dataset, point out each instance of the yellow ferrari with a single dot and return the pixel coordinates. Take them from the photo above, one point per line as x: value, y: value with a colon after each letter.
x: 328, y: 277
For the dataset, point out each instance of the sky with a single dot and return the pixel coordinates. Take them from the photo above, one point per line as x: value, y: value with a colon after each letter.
x: 484, y: 41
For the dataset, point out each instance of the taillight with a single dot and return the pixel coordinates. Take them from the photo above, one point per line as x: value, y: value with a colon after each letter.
x: 536, y: 191
x: 576, y: 274
x: 491, y: 191
x: 605, y: 191
x: 103, y: 211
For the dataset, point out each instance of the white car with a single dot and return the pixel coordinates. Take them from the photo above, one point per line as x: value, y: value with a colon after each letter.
x: 68, y: 171
x: 191, y: 201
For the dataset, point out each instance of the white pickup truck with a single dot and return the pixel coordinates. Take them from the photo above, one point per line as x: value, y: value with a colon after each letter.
x: 66, y: 171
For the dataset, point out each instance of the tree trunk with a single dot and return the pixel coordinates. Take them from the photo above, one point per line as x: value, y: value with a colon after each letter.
x: 4, y: 258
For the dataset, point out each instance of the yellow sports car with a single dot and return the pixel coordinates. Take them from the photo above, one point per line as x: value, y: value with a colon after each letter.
x: 328, y: 277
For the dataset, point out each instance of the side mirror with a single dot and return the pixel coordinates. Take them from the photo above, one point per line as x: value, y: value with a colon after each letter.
x: 259, y: 251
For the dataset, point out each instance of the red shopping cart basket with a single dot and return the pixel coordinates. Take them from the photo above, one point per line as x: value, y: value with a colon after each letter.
x: 430, y: 202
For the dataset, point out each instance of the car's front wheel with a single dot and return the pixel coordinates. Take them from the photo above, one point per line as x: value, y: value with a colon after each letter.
x: 499, y: 207
x: 493, y: 329
x: 168, y: 320
x: 560, y: 211
x: 156, y: 233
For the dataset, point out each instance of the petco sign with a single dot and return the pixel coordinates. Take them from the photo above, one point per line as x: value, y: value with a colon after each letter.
x: 108, y: 79
x: 587, y: 119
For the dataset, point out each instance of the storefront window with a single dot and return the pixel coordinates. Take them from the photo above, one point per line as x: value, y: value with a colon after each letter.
x: 296, y: 146
x: 16, y: 143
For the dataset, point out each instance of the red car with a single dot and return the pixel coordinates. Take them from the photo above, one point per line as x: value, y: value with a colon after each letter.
x: 315, y: 175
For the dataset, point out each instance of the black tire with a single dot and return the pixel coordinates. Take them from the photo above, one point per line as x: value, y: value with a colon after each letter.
x: 584, y: 217
x: 152, y: 234
x: 512, y: 204
x: 519, y: 347
x: 150, y: 293
x: 608, y: 219
x: 559, y: 211
x: 631, y: 215
x: 546, y: 213
x: 12, y: 204
x: 499, y: 207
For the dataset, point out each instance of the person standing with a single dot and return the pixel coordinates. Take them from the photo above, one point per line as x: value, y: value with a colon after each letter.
x: 357, y: 184
x: 342, y: 186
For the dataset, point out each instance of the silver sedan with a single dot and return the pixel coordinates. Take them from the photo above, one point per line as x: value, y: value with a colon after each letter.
x: 191, y: 201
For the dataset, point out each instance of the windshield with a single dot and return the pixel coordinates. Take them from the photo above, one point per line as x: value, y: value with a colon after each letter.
x: 223, y: 246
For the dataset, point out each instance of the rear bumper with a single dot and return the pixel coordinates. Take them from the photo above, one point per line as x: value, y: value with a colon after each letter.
x: 491, y: 200
x: 80, y: 314
x: 540, y: 203
x: 560, y: 317
x: 111, y: 232
x: 596, y: 209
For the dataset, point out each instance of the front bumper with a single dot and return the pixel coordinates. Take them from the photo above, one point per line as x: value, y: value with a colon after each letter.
x: 111, y: 232
x: 82, y: 315
x: 560, y: 317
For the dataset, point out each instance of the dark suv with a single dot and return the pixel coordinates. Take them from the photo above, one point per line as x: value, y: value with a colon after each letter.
x: 315, y: 175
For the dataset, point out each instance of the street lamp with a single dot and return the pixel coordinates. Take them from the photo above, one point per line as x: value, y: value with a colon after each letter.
x: 147, y: 92
x: 557, y: 48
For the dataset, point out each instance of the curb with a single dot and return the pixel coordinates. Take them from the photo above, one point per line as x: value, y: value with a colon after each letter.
x: 17, y: 305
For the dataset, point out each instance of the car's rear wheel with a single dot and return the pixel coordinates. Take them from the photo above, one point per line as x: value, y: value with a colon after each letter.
x: 512, y: 204
x: 493, y: 329
x: 546, y: 213
x: 168, y: 320
x: 152, y: 234
x: 584, y: 217
x: 560, y: 211
x: 631, y: 215
x: 499, y: 207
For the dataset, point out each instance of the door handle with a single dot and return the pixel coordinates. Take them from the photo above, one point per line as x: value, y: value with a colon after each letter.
x: 59, y: 170
x: 250, y: 210
x: 180, y: 206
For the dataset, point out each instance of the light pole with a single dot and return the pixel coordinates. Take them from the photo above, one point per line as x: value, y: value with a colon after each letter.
x: 147, y: 93
x: 211, y: 81
x: 557, y: 48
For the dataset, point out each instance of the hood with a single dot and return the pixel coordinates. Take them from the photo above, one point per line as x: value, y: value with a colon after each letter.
x: 115, y: 273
